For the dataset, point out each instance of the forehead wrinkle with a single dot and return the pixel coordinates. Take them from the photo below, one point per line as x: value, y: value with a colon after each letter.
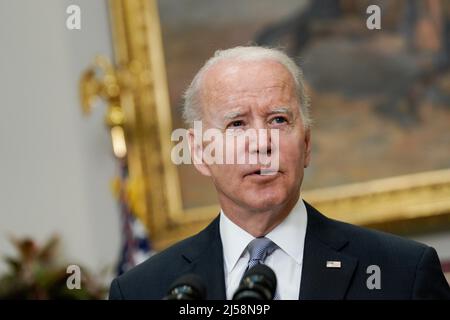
x: 240, y: 97
x: 222, y: 90
x: 215, y: 87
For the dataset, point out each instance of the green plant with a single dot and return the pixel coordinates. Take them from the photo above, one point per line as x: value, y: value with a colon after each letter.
x: 36, y: 274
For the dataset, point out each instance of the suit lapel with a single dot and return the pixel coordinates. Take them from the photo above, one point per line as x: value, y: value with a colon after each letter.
x: 205, y: 258
x: 324, y: 243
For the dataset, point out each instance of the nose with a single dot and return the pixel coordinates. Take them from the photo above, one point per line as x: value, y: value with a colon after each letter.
x: 261, y: 141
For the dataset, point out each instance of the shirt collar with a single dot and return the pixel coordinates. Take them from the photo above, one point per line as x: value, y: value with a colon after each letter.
x: 234, y: 240
x: 289, y: 236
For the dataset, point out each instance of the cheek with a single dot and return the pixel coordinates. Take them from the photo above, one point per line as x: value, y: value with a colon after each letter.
x: 291, y: 150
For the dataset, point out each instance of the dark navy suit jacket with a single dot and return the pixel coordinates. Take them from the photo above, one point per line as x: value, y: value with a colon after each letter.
x: 408, y: 270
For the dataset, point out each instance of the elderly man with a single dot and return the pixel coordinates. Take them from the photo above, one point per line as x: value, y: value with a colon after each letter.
x: 263, y: 219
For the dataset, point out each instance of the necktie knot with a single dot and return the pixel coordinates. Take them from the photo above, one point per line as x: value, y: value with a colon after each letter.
x: 259, y: 249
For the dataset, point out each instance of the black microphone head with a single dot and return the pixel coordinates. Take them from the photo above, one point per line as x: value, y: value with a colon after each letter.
x: 187, y: 287
x: 258, y: 283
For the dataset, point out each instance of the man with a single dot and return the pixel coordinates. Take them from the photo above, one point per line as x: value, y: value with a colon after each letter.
x: 263, y: 220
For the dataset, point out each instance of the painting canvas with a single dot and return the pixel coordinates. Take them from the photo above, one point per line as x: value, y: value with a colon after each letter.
x: 380, y: 99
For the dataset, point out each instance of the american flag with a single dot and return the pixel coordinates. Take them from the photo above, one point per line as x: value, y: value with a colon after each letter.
x: 136, y: 246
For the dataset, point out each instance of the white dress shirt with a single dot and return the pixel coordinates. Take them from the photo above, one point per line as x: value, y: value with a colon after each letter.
x: 286, y: 261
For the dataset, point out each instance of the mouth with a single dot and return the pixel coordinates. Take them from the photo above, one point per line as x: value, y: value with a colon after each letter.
x: 262, y: 172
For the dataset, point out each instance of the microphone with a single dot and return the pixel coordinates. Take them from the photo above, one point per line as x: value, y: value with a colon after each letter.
x: 187, y: 287
x: 258, y: 283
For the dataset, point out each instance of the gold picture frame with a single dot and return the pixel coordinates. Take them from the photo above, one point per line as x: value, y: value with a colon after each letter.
x: 399, y: 204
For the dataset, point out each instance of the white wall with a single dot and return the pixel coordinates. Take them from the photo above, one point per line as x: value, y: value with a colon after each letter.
x: 55, y: 164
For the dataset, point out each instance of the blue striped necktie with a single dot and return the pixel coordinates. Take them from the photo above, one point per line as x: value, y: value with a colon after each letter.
x: 260, y: 249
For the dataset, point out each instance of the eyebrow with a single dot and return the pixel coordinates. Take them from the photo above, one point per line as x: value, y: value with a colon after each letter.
x: 232, y: 115
x: 284, y: 110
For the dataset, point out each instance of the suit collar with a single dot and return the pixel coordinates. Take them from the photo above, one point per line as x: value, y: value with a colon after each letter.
x: 324, y: 229
x: 205, y: 258
x: 325, y: 243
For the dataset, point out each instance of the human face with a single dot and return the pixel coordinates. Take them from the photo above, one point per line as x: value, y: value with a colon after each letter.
x: 255, y: 95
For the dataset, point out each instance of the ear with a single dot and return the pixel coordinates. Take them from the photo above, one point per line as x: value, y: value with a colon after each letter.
x: 307, y: 141
x: 196, y: 149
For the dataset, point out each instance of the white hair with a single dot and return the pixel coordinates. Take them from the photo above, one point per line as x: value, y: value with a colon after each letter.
x: 192, y: 109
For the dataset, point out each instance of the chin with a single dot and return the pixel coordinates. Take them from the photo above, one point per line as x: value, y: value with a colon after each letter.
x: 266, y: 200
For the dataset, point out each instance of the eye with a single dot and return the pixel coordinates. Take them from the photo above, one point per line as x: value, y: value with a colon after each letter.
x: 236, y: 124
x: 279, y: 120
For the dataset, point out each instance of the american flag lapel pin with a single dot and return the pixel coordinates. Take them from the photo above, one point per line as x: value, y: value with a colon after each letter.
x: 333, y: 264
